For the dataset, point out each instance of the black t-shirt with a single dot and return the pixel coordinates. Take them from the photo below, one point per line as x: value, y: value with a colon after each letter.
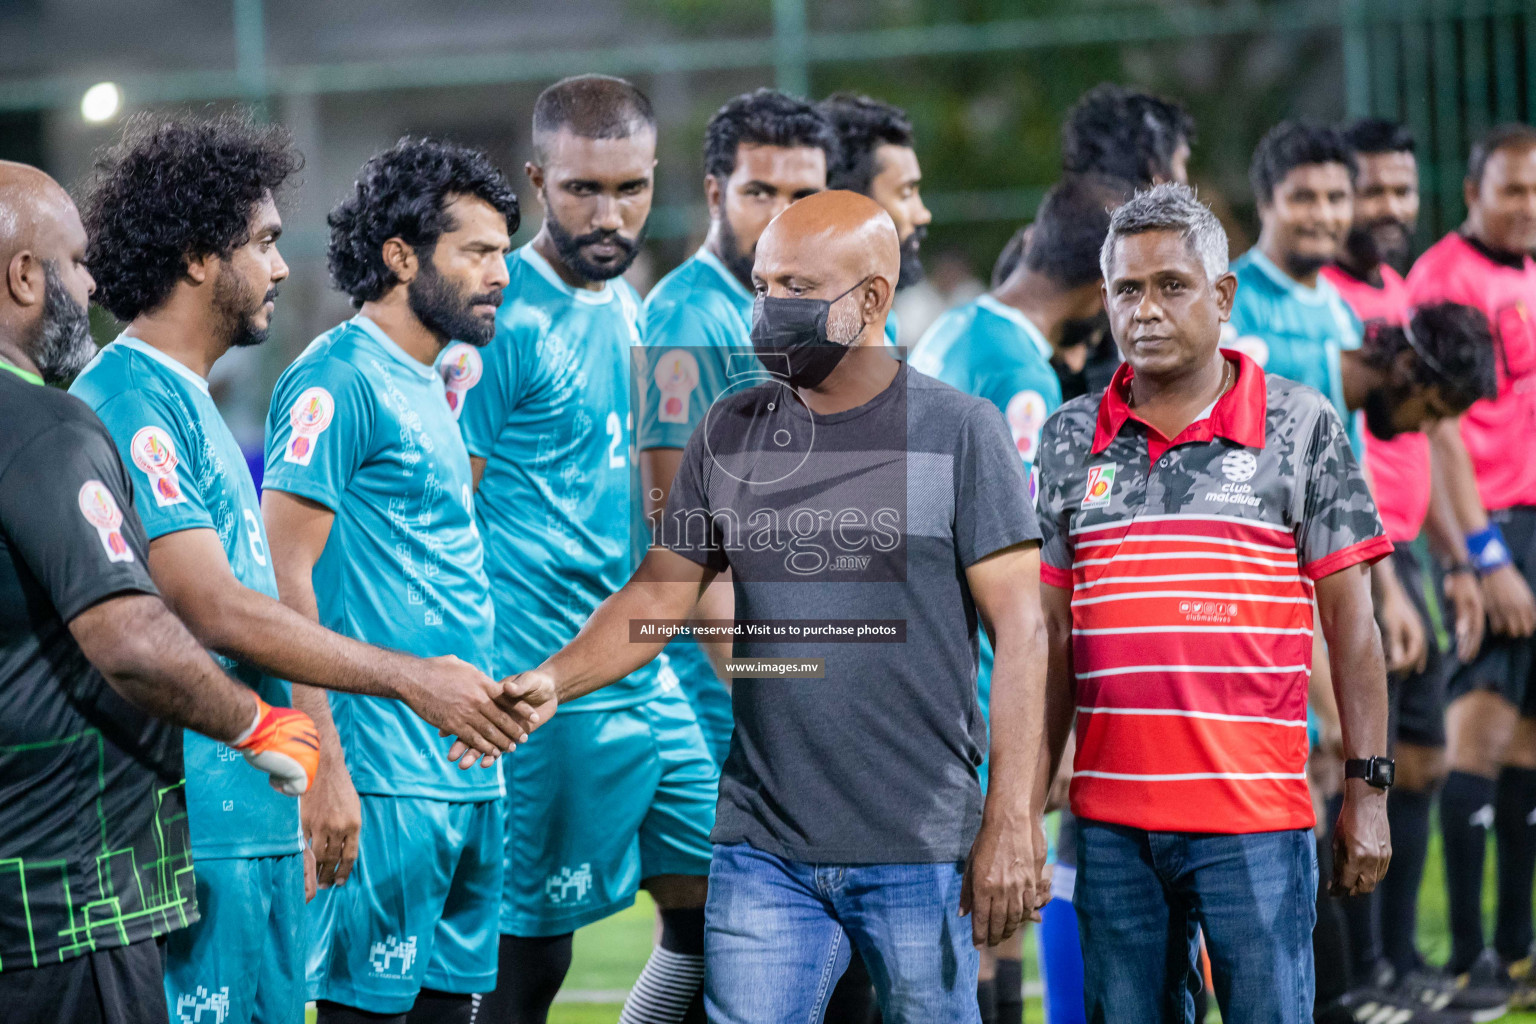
x: 866, y: 516
x: 94, y: 849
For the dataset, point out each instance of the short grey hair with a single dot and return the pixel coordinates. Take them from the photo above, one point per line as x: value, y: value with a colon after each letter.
x: 1170, y: 207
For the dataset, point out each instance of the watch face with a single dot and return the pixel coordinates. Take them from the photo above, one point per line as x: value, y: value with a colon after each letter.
x: 1385, y: 772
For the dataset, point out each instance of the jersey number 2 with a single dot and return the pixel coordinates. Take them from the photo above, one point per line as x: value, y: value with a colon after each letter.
x: 616, y: 449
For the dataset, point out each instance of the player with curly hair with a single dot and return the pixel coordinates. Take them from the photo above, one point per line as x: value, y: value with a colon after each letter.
x: 183, y: 228
x: 370, y: 511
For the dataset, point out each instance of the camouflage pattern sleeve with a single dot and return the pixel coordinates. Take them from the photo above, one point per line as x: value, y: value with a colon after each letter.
x: 1059, y: 459
x: 1338, y: 526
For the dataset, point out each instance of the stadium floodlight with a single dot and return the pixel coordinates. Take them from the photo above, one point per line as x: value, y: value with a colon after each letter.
x: 101, y: 102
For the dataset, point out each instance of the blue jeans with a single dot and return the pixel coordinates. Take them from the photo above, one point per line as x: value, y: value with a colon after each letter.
x: 1141, y: 895
x: 777, y: 937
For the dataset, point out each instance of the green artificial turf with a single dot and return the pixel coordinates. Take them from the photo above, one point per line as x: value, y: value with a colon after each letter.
x: 609, y: 955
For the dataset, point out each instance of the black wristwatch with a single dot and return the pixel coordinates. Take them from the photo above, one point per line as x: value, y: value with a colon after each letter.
x: 1376, y: 771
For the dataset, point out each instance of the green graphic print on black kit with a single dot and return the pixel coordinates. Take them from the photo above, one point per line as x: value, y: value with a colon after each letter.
x: 1305, y: 478
x: 94, y: 848
x: 133, y: 890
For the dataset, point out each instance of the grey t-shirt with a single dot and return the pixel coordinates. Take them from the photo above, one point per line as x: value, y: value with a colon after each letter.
x: 872, y: 514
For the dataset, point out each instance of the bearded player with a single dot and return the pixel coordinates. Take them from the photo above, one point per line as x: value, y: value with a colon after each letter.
x: 762, y: 151
x: 369, y: 509
x: 184, y: 231
x: 618, y: 791
x: 877, y: 158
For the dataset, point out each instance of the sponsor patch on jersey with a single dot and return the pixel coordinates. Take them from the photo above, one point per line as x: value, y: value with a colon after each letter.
x: 1101, y: 484
x: 101, y: 511
x: 677, y: 375
x: 1025, y: 413
x: 461, y: 369
x: 155, y: 454
x: 1239, y: 466
x: 310, y: 415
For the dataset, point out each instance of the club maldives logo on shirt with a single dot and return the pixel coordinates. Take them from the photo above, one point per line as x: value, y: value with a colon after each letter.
x: 101, y: 511
x: 461, y: 369
x: 1101, y: 483
x: 309, y: 417
x: 155, y: 454
x: 1238, y: 467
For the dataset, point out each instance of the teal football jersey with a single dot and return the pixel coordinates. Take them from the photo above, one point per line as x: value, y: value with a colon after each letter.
x: 989, y: 349
x: 190, y: 474
x: 1293, y: 331
x: 361, y: 427
x: 547, y: 405
x: 698, y: 327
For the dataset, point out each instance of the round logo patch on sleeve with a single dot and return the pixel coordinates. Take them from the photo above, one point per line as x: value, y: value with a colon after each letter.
x: 100, y: 510
x: 677, y: 374
x: 309, y: 417
x: 1026, y: 415
x: 155, y: 454
x: 461, y: 369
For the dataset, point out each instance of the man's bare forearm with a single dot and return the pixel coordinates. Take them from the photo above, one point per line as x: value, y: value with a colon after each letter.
x: 1017, y: 713
x: 255, y: 629
x: 1455, y: 509
x: 148, y: 656
x: 314, y: 702
x: 1356, y: 662
x: 1060, y: 688
x: 602, y: 652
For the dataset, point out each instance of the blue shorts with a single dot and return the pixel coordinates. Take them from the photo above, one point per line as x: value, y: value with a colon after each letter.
x: 598, y: 801
x: 419, y: 910
x: 710, y: 700
x: 243, y: 962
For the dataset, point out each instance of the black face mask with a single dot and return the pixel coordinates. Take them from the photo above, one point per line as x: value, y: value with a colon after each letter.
x: 790, y: 338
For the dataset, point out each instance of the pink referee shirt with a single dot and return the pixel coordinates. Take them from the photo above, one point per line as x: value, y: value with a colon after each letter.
x: 1398, y: 470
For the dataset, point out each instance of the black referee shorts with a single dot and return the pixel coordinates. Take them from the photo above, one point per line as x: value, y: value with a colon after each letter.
x: 1504, y: 666
x: 1417, y: 709
x: 125, y: 985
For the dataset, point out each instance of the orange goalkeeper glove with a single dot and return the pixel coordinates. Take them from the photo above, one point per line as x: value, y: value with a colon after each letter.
x: 283, y: 743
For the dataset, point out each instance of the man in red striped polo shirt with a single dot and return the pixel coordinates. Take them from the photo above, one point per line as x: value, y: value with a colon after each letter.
x: 1191, y: 514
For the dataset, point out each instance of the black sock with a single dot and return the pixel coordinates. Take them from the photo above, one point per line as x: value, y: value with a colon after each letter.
x: 1330, y: 941
x: 853, y: 997
x: 1408, y: 820
x: 327, y: 1012
x: 434, y: 1007
x: 1515, y: 838
x: 1009, y: 988
x: 1466, y: 815
x: 986, y: 999
x: 529, y: 973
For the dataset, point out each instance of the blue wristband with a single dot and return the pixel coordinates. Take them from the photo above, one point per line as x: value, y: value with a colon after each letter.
x: 1488, y: 550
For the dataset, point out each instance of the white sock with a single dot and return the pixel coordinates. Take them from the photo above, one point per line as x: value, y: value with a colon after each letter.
x: 664, y: 989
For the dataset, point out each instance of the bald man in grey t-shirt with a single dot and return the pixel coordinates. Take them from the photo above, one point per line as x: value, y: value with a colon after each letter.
x: 845, y: 490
